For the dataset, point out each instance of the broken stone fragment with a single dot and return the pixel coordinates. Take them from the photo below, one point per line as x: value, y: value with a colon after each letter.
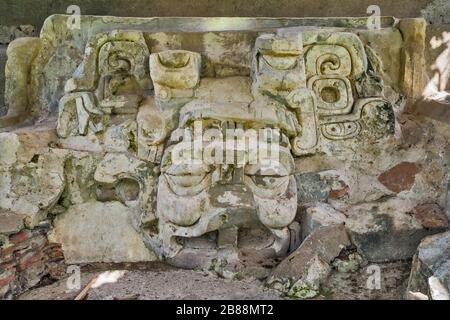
x: 430, y: 273
x: 400, y: 177
x: 319, y: 215
x: 309, y: 285
x: 306, y: 268
x: 416, y: 296
x: 438, y: 290
x: 32, y: 176
x: 326, y: 242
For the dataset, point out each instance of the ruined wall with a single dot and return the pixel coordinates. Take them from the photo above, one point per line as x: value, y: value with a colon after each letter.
x: 83, y: 181
x: 30, y: 15
x: 26, y: 258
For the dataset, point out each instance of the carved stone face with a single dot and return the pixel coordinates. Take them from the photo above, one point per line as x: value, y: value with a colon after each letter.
x: 315, y: 87
x: 213, y: 193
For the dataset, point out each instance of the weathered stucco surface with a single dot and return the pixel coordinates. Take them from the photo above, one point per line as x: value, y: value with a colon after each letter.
x: 104, y: 123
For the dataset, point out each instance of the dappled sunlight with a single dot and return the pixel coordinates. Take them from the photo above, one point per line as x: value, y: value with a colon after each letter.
x: 108, y: 277
x: 438, y: 85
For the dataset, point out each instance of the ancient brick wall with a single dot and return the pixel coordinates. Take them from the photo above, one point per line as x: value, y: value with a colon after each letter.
x: 26, y: 257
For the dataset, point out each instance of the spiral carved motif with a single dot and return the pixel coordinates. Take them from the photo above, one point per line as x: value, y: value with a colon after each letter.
x: 328, y: 60
x: 122, y: 57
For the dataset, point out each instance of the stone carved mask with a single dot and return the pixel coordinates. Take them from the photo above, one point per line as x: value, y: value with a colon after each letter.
x: 216, y: 194
x: 302, y: 89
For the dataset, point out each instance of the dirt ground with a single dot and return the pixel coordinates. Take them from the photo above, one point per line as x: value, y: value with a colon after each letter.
x: 356, y: 286
x: 159, y: 281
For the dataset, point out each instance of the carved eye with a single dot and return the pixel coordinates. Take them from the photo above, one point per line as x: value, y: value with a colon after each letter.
x: 187, y: 180
x: 267, y: 181
x: 127, y: 189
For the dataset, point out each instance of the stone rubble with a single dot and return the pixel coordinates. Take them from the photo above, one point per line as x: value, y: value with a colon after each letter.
x: 303, y: 271
x: 430, y: 273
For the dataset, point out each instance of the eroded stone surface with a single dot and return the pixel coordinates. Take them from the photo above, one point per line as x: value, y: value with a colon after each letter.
x: 431, y: 216
x: 318, y: 216
x: 32, y: 176
x: 387, y: 231
x: 123, y: 178
x: 99, y: 232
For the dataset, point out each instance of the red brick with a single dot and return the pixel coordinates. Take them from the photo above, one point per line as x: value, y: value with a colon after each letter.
x: 56, y: 255
x: 28, y: 260
x: 431, y: 216
x: 6, y: 253
x: 54, y: 252
x: 6, y: 265
x: 35, y: 243
x: 19, y: 237
x: 337, y: 194
x: 400, y: 177
x: 7, y: 278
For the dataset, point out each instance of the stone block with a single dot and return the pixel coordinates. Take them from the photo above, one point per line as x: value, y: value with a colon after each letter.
x: 319, y: 215
x: 99, y: 232
x: 430, y: 274
x: 386, y: 231
x: 326, y: 243
x: 301, y: 273
x: 10, y: 222
x: 431, y: 216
